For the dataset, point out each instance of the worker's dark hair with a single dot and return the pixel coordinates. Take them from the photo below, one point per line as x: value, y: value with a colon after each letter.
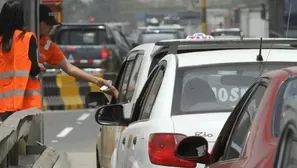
x: 11, y: 19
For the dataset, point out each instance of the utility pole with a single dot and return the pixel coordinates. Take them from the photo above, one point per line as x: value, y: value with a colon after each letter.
x: 204, y: 16
x: 189, y: 9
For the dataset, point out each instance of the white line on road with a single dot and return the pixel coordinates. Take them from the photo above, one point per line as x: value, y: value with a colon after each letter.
x: 84, y: 116
x: 65, y: 132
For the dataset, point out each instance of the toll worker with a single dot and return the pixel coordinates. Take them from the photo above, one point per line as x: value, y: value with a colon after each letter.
x: 18, y: 61
x: 52, y: 55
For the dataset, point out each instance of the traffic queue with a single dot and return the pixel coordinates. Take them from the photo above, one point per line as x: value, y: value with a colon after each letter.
x: 198, y: 102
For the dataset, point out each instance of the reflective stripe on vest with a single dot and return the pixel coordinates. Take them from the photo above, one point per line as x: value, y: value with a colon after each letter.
x: 15, y: 68
x: 25, y: 93
x: 33, y: 96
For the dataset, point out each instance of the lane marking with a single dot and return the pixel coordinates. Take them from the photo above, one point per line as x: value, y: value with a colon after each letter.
x: 65, y: 132
x: 83, y: 117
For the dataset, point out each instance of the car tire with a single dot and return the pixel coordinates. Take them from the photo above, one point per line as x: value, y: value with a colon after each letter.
x: 97, y: 159
x: 288, y: 132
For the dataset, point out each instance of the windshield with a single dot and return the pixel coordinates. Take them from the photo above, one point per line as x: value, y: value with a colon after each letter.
x: 155, y: 37
x: 214, y: 88
x: 82, y: 37
x: 226, y: 33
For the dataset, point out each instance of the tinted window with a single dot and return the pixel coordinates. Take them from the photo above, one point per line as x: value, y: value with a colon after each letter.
x: 155, y: 37
x: 214, y: 88
x: 133, y: 79
x: 151, y: 93
x: 82, y: 37
x: 124, y: 81
x: 292, y: 159
x: 226, y: 33
x: 242, y: 128
x: 286, y: 94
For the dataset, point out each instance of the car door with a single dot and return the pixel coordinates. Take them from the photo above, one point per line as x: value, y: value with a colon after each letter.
x: 126, y: 79
x: 229, y: 153
x: 131, y: 137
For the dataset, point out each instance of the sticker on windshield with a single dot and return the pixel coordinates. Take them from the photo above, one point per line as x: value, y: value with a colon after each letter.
x: 229, y: 94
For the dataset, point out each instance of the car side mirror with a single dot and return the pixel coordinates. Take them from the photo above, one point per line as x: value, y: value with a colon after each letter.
x: 193, y: 148
x: 111, y: 115
x: 95, y: 99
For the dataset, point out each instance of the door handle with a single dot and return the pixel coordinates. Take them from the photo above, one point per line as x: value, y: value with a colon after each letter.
x: 124, y: 141
x: 134, y: 140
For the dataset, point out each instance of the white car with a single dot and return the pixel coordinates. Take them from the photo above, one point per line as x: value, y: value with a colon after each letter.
x: 130, y: 80
x: 189, y: 94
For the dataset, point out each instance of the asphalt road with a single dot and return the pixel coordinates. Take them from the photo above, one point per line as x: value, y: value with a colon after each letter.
x: 73, y: 132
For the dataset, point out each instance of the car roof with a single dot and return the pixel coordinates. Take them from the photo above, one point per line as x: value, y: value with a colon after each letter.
x: 78, y: 25
x: 147, y: 47
x: 235, y: 56
x: 226, y: 29
x: 156, y: 31
x: 175, y: 46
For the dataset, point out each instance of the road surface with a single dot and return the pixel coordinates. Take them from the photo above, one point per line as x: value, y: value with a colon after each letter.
x: 74, y: 132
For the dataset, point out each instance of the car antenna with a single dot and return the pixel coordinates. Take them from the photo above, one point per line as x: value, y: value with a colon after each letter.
x: 264, y: 63
x: 259, y: 56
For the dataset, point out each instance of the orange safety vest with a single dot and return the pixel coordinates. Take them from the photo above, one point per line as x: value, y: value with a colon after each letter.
x: 15, y: 80
x: 33, y: 96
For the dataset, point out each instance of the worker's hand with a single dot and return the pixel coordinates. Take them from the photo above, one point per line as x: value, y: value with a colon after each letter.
x: 111, y: 89
x: 42, y: 68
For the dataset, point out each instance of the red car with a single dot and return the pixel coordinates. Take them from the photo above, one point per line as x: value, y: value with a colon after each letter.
x: 250, y: 136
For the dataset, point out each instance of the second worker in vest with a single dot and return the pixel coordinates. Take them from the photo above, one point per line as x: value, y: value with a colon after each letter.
x: 52, y: 55
x: 19, y: 87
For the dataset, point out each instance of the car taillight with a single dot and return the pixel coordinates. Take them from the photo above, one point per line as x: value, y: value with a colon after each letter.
x: 105, y: 53
x: 161, y: 148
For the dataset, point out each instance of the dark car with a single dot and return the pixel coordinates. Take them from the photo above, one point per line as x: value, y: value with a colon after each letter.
x: 92, y: 45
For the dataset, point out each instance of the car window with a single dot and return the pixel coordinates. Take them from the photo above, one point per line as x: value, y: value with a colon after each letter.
x: 242, y: 127
x: 287, y: 92
x: 212, y: 89
x: 290, y: 161
x: 138, y: 107
x: 82, y: 37
x: 151, y: 94
x: 226, y: 33
x: 124, y: 81
x: 133, y: 78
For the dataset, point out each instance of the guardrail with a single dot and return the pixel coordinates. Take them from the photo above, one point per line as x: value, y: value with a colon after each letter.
x: 63, y: 92
x: 15, y: 146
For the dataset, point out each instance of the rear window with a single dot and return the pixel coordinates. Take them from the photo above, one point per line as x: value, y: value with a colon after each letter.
x: 214, y: 88
x: 82, y: 37
x: 155, y: 37
x: 226, y: 33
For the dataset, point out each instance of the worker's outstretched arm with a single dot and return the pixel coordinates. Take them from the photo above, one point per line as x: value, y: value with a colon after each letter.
x: 80, y: 74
